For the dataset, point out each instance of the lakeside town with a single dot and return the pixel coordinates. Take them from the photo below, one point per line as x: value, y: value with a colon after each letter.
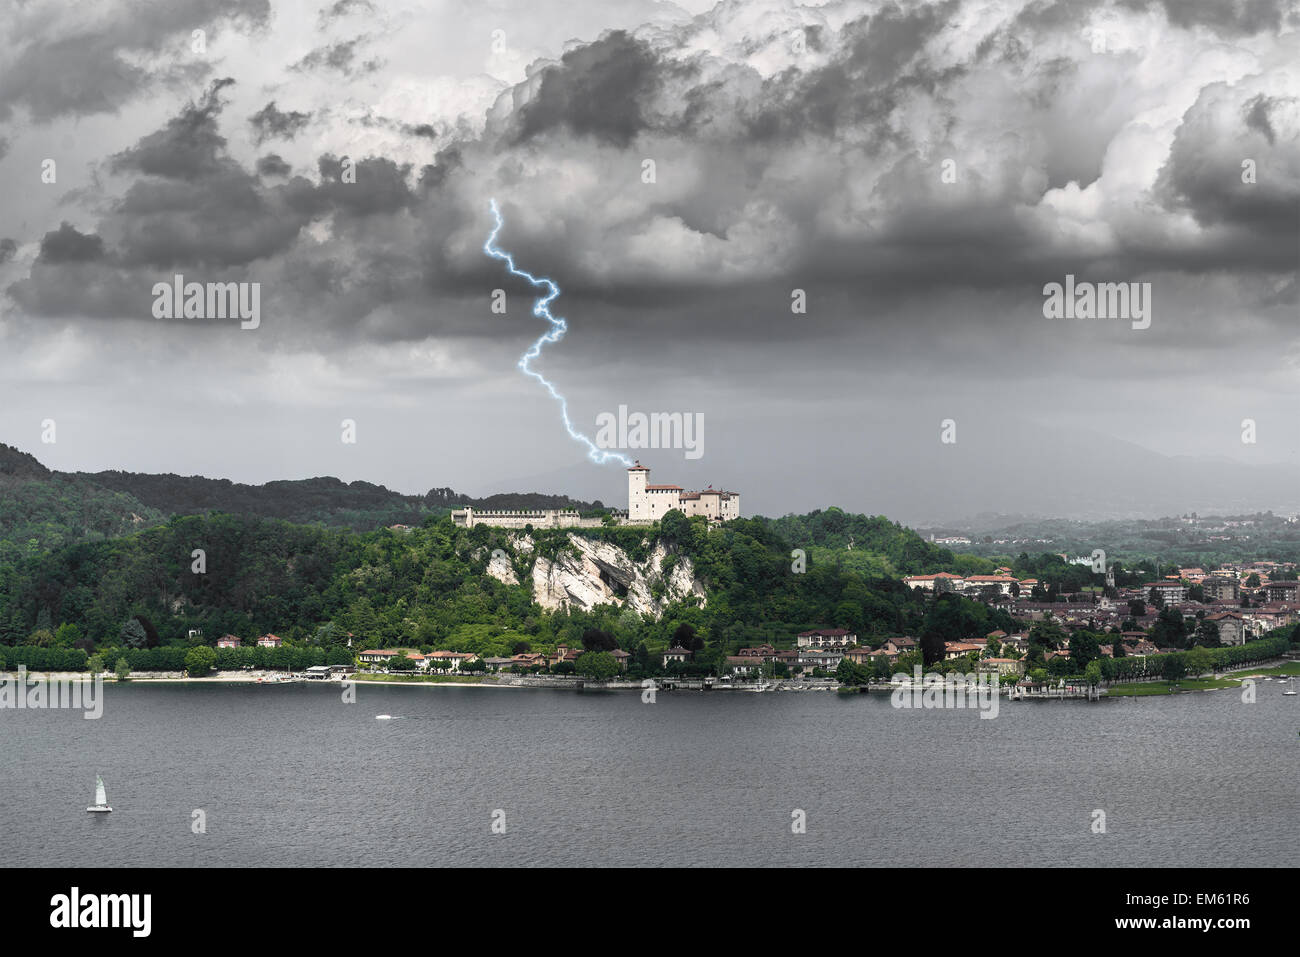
x: 1067, y: 644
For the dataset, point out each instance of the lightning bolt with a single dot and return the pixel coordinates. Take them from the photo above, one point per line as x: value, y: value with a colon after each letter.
x: 542, y: 309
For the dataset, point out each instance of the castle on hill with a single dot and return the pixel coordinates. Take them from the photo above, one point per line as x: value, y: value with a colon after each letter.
x: 649, y: 503
x: 646, y: 503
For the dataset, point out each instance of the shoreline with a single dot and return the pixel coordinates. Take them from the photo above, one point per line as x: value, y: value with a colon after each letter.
x: 1234, y: 679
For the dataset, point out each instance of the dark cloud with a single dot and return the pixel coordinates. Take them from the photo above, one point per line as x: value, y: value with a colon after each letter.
x: 80, y: 65
x: 822, y: 175
x: 272, y: 123
x: 380, y: 186
x: 340, y: 57
x: 597, y: 90
x: 1257, y: 117
x: 7, y: 250
x: 189, y: 147
x: 272, y: 165
x: 1204, y: 174
x: 1228, y: 17
x: 67, y: 245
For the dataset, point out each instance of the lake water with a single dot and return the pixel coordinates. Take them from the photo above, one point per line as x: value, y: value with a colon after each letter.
x: 290, y: 775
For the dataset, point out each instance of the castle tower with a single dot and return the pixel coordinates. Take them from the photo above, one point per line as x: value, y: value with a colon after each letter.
x: 638, y: 500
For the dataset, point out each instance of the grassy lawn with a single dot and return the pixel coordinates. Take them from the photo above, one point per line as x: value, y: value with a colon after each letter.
x: 1290, y: 668
x: 1230, y: 679
x: 1140, y: 689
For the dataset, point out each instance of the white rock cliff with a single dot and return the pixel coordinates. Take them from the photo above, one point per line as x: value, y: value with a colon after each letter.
x: 603, y: 574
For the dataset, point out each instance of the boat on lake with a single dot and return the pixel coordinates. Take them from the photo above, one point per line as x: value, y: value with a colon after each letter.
x: 101, y: 798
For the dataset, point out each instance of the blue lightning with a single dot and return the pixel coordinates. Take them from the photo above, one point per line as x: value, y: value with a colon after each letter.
x: 542, y: 309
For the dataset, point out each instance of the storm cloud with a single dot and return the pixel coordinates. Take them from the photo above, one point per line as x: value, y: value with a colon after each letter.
x: 918, y: 172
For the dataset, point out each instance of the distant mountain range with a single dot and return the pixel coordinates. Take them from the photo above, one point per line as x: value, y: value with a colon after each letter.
x: 58, y: 508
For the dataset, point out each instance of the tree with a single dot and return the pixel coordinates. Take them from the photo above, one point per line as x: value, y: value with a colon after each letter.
x: 932, y: 647
x: 1207, y: 633
x: 1083, y: 649
x: 1092, y: 673
x: 401, y: 662
x: 122, y: 669
x: 1173, y: 667
x: 94, y: 664
x: 1199, y: 661
x: 593, y: 639
x: 675, y: 526
x: 67, y: 635
x: 338, y: 655
x: 597, y: 665
x: 1170, y: 630
x: 684, y: 636
x: 133, y: 634
x: 1049, y: 634
x: 199, y: 660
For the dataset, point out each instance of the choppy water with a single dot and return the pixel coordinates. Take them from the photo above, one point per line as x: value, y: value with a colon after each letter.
x: 290, y: 775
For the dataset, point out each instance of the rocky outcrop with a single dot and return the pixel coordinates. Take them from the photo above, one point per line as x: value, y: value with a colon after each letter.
x: 499, y: 567
x: 591, y: 573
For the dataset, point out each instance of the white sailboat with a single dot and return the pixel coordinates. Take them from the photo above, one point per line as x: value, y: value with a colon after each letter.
x: 1290, y: 685
x: 101, y: 799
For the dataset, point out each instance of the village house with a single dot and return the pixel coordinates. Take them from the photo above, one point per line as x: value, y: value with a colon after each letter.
x: 1019, y: 642
x: 898, y: 646
x: 676, y: 653
x: 861, y: 656
x: 1232, y: 627
x: 229, y: 641
x: 529, y: 659
x: 377, y: 656
x: 744, y: 665
x: 826, y: 638
x: 1170, y: 592
x: 1282, y: 591
x: 981, y: 583
x: 270, y: 641
x: 827, y: 658
x: 446, y: 660
x: 1137, y: 643
x: 764, y: 652
x: 1005, y: 667
x: 955, y: 649
x: 941, y: 581
x: 788, y: 658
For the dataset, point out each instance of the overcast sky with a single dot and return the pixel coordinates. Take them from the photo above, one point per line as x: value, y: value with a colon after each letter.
x: 794, y: 147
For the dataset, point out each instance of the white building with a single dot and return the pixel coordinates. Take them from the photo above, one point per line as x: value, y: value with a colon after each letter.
x: 649, y: 503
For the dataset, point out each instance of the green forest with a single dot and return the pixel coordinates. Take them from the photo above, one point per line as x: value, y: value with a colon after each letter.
x: 426, y: 587
x: 149, y: 567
